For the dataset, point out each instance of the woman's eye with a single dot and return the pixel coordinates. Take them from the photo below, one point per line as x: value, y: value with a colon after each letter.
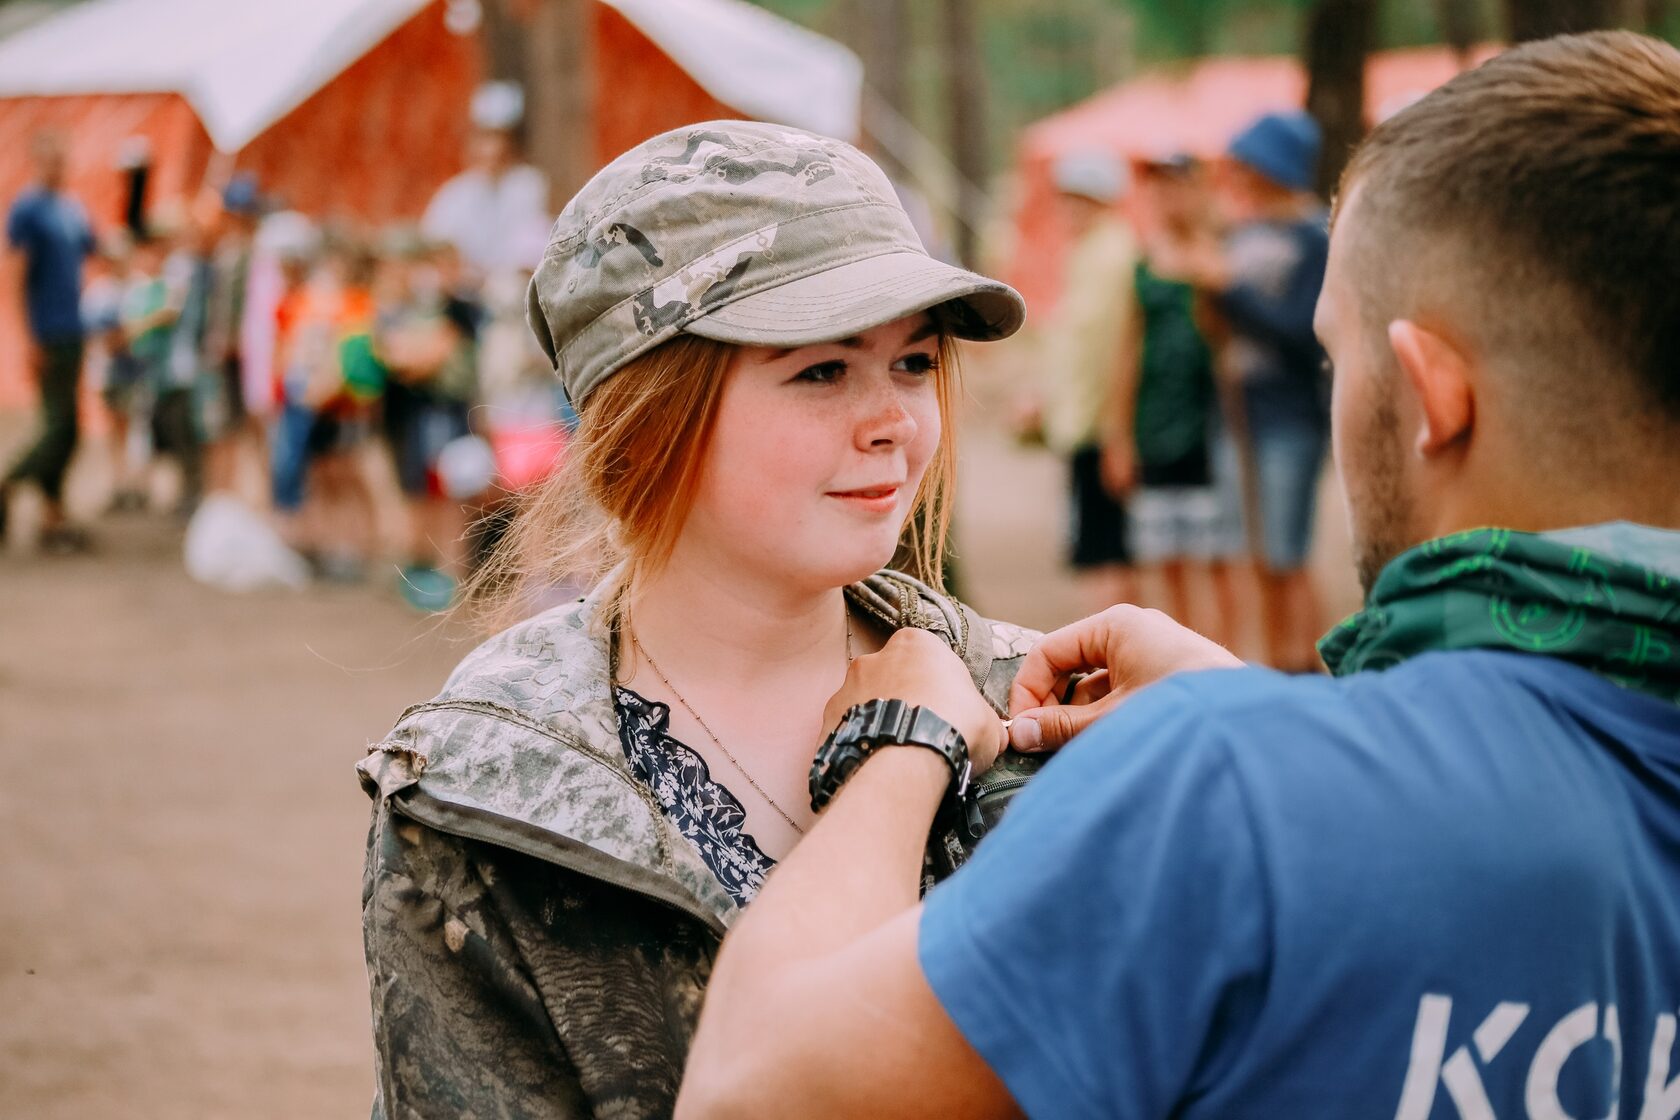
x: 919, y: 363
x: 822, y: 373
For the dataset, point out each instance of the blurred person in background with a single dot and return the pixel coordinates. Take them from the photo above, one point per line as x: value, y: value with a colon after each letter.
x: 282, y: 248
x: 1264, y: 279
x: 1084, y: 352
x: 1162, y: 415
x: 330, y: 379
x: 110, y: 363
x: 293, y: 245
x: 344, y: 381
x: 426, y: 336
x: 162, y: 401
x: 177, y: 421
x: 229, y: 425
x: 50, y: 237
x: 495, y: 212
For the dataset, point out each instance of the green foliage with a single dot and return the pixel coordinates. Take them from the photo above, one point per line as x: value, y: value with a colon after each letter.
x: 1043, y: 55
x: 800, y: 11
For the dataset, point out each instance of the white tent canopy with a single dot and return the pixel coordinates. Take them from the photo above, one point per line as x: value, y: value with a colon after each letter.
x: 756, y: 61
x: 244, y: 64
x: 241, y: 64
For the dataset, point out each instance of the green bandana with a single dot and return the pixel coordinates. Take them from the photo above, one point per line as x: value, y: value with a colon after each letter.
x: 1605, y: 598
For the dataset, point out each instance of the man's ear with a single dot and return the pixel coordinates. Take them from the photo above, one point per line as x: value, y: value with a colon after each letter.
x: 1438, y: 373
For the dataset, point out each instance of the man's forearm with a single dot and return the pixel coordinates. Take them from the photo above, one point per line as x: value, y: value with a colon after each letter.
x: 817, y: 1006
x: 859, y: 868
x: 860, y: 865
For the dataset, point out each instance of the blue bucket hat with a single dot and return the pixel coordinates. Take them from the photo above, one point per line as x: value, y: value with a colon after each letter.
x: 1281, y: 146
x: 241, y: 195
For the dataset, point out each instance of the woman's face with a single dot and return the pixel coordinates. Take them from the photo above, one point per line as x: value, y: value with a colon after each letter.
x: 817, y: 454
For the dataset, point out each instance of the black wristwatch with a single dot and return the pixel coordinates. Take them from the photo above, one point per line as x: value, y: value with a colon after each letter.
x: 884, y: 723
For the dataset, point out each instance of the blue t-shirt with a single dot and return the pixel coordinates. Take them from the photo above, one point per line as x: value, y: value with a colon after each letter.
x: 51, y: 230
x: 1277, y: 270
x: 1451, y: 889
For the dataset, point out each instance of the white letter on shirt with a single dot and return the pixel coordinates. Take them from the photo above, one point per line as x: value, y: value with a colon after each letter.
x: 1662, y: 1102
x: 1573, y: 1031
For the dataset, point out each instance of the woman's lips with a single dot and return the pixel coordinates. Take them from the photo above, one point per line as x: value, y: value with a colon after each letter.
x: 876, y: 499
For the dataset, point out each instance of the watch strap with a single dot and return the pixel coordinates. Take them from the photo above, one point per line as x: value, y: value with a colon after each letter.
x: 874, y: 724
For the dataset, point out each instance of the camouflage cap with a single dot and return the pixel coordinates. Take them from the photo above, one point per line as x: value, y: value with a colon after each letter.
x: 747, y: 233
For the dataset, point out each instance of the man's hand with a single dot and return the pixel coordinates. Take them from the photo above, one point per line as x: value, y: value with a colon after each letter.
x: 919, y: 668
x: 1204, y: 262
x: 1122, y: 649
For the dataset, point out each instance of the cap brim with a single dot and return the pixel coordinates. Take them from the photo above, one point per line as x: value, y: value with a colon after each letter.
x: 848, y: 299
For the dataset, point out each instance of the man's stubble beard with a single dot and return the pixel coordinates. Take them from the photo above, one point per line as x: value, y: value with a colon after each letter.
x: 1379, y: 507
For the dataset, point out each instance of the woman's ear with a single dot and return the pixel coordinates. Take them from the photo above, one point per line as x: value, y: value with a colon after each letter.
x: 1439, y: 376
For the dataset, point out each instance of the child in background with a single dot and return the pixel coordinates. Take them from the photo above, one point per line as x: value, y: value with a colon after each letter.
x: 427, y: 338
x: 331, y: 382
x: 176, y: 423
x: 1083, y: 353
x: 151, y: 304
x: 228, y: 421
x: 295, y: 244
x: 1156, y: 448
x: 110, y: 365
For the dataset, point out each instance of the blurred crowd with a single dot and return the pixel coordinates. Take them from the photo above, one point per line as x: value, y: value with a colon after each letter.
x: 325, y: 367
x: 313, y: 364
x: 1183, y: 383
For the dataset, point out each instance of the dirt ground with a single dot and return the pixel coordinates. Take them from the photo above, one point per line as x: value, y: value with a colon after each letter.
x: 182, y: 833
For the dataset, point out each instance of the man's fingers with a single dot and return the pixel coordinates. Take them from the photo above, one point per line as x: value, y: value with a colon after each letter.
x: 1091, y: 688
x: 1048, y: 729
x: 1080, y: 647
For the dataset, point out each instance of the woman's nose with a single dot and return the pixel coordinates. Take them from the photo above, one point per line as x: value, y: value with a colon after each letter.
x: 884, y: 419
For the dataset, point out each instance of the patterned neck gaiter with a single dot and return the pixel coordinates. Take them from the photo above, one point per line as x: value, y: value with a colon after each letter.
x: 1531, y: 593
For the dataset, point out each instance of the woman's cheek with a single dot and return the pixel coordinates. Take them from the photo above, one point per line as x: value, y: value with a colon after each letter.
x: 929, y: 430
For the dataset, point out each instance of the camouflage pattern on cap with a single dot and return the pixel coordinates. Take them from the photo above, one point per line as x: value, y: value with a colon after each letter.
x: 705, y: 216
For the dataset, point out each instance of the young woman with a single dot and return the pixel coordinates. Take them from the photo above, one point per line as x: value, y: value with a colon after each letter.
x: 760, y: 353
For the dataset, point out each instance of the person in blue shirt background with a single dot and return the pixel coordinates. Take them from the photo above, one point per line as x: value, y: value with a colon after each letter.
x: 1262, y: 276
x: 50, y: 231
x: 1445, y: 883
x: 1265, y: 283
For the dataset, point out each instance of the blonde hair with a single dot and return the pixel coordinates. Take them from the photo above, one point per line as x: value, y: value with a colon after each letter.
x: 630, y: 474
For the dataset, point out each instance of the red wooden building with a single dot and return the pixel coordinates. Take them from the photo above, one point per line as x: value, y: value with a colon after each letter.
x: 358, y: 108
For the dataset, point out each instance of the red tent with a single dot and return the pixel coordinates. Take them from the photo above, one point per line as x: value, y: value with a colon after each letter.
x: 1197, y: 110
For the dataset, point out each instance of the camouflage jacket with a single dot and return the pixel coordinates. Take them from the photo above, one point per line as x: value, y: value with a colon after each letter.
x: 538, y: 933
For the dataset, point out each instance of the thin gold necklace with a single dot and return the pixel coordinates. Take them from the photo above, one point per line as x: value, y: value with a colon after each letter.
x: 710, y: 734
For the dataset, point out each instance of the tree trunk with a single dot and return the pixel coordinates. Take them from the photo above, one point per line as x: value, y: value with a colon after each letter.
x: 965, y: 93
x: 1339, y: 34
x: 503, y: 37
x: 1460, y: 25
x: 560, y: 51
x: 1541, y: 19
x: 882, y: 35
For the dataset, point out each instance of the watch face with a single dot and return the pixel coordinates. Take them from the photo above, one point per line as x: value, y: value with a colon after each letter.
x: 883, y: 723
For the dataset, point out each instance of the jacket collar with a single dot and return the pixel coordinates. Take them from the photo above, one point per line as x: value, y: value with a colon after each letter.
x: 521, y: 746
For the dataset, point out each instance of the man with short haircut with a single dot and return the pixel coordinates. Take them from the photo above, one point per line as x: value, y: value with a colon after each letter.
x: 50, y: 233
x: 1444, y: 884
